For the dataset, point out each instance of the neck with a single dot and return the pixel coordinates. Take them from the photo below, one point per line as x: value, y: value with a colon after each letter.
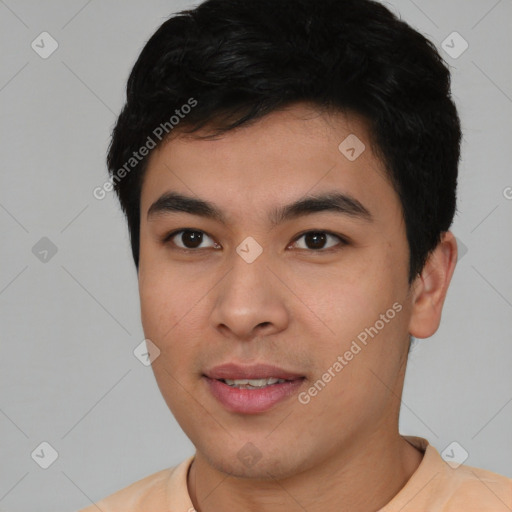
x: 362, y: 476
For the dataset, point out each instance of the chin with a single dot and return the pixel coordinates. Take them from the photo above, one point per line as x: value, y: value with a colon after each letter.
x: 248, y: 463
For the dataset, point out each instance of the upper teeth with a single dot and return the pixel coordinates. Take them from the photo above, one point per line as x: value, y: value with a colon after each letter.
x: 256, y: 383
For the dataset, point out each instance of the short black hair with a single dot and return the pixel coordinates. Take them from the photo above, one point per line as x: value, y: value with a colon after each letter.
x: 236, y: 61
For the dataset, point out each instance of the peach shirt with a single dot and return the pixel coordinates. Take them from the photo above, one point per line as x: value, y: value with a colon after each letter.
x: 434, y: 487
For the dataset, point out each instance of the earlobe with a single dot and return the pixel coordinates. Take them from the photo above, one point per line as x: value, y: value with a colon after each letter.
x: 431, y: 286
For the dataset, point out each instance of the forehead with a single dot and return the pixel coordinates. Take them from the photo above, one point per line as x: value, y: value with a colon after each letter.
x: 276, y: 160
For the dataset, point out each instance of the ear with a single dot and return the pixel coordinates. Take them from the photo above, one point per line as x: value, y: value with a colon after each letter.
x: 431, y: 286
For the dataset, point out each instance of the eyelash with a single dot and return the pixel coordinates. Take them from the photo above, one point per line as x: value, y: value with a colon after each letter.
x: 343, y: 240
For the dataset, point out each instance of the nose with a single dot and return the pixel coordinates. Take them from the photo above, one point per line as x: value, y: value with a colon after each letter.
x: 251, y: 301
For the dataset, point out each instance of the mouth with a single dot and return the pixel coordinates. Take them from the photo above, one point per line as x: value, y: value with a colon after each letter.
x: 253, y: 383
x: 251, y: 389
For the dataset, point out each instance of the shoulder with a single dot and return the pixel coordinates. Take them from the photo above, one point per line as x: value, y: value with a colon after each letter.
x: 155, y: 492
x: 441, y: 486
x: 453, y: 487
x: 476, y: 489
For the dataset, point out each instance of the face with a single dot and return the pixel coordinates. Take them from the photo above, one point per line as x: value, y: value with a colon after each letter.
x: 317, y: 294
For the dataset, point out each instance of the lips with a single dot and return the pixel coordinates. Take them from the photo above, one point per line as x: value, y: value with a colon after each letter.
x: 244, y: 398
x: 234, y: 371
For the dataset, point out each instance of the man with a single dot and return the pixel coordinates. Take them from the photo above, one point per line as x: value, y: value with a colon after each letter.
x: 288, y: 170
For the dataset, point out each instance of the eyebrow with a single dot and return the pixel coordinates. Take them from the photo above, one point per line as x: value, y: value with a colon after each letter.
x: 337, y: 202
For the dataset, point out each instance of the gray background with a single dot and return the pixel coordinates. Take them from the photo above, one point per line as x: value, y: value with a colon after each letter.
x: 70, y: 320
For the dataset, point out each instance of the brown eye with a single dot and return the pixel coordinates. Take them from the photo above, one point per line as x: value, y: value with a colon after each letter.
x: 316, y: 240
x: 189, y: 239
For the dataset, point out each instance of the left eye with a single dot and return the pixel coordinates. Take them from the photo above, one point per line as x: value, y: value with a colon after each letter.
x: 191, y: 240
x: 315, y: 240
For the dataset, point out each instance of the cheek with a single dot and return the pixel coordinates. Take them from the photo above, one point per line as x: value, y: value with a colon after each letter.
x: 365, y: 323
x: 168, y: 304
x: 157, y: 305
x: 351, y: 297
x: 167, y: 316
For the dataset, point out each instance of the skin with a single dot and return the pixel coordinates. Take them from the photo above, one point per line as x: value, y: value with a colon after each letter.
x: 295, y: 307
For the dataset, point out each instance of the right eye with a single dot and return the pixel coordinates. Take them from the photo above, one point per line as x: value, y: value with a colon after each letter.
x: 190, y: 239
